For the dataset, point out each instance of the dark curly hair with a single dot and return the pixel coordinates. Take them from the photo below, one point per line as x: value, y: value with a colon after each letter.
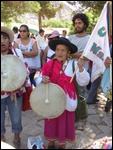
x: 81, y: 16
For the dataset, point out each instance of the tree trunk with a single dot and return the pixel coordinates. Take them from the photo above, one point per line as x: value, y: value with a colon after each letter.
x: 39, y: 20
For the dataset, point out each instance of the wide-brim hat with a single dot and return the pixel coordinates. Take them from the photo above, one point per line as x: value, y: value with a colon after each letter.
x: 9, y: 32
x: 64, y: 41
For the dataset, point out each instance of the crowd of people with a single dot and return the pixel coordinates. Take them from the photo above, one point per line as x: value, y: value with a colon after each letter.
x: 55, y: 55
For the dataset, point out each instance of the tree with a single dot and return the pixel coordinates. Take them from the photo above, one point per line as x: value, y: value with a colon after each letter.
x: 96, y: 6
x: 11, y: 10
x: 56, y: 23
x: 47, y: 10
x: 92, y: 5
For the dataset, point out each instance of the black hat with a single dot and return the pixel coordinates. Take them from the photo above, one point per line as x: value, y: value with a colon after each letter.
x: 65, y: 41
x: 41, y: 30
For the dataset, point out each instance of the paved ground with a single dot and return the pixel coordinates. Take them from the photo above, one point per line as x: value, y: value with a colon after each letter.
x: 98, y: 125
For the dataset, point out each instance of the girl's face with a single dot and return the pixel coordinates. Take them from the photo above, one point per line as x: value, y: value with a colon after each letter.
x: 5, y: 41
x: 62, y: 52
x: 23, y: 32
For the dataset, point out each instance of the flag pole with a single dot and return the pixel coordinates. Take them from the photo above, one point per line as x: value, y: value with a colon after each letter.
x: 110, y: 37
x: 110, y: 33
x: 110, y: 74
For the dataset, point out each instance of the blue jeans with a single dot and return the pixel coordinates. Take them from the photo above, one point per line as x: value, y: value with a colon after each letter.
x: 14, y: 110
x: 92, y: 96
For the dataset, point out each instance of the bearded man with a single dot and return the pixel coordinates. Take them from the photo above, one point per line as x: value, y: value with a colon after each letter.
x: 80, y: 38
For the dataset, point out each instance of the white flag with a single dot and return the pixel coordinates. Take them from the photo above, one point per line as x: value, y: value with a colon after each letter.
x: 97, y: 48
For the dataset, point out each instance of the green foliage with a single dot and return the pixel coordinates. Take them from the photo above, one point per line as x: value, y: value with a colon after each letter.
x: 71, y: 30
x: 56, y: 23
x: 48, y: 9
x: 96, y: 6
x: 34, y: 7
x: 93, y: 18
x: 11, y: 9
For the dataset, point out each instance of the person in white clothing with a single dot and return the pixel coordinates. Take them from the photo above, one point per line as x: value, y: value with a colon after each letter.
x: 40, y: 41
x: 64, y: 34
x: 48, y: 52
x: 59, y: 71
x: 15, y: 31
x: 40, y: 38
x: 29, y: 49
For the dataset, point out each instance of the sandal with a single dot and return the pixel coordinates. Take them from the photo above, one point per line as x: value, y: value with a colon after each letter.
x: 17, y: 143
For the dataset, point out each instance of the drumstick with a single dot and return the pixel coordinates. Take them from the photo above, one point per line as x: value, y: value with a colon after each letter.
x: 76, y: 68
x: 73, y: 74
x: 46, y: 100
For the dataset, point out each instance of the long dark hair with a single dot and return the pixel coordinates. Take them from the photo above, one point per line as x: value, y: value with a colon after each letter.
x: 26, y: 27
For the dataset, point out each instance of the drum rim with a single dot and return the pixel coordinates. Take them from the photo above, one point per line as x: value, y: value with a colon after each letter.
x: 62, y: 92
x: 16, y: 57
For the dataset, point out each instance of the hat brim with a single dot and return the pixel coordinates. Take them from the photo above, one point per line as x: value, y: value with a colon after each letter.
x: 9, y: 32
x: 54, y: 43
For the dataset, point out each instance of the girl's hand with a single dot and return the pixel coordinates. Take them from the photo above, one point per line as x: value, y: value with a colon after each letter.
x: 45, y: 79
x: 80, y: 63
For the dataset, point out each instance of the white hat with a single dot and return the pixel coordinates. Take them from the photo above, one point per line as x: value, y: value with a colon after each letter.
x: 9, y: 32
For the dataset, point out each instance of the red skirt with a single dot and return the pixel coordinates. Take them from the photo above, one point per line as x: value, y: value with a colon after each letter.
x: 26, y: 98
x: 61, y: 128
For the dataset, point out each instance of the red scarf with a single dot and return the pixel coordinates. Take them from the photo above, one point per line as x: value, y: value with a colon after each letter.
x: 52, y: 69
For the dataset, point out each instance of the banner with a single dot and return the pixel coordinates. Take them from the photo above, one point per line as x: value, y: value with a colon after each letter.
x: 97, y: 48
